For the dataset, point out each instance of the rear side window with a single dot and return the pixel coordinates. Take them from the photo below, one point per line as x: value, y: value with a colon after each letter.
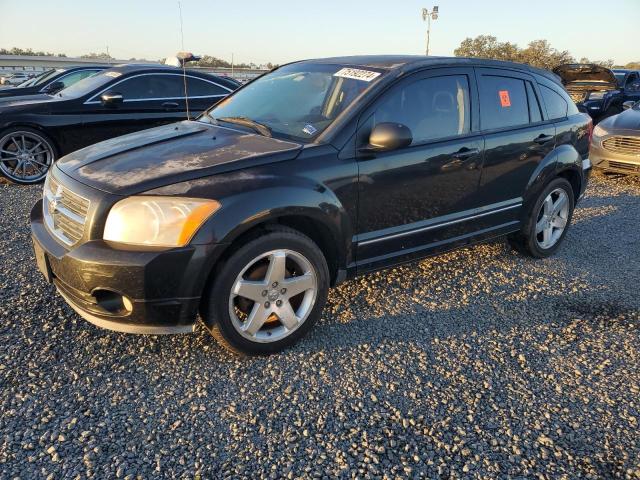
x: 149, y: 87
x: 557, y: 107
x: 201, y: 88
x: 534, y: 106
x: 503, y: 102
x: 432, y: 108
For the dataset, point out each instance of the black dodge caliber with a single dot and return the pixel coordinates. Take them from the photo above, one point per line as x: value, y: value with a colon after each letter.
x: 307, y: 176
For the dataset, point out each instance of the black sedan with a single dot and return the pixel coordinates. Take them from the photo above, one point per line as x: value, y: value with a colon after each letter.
x: 52, y: 81
x: 36, y: 131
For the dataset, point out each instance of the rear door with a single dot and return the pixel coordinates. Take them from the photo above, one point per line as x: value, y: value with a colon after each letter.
x: 204, y: 93
x: 517, y: 138
x: 417, y: 197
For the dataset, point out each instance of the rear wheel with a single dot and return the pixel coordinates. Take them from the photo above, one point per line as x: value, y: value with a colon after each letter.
x: 25, y: 155
x: 268, y: 294
x: 547, y: 222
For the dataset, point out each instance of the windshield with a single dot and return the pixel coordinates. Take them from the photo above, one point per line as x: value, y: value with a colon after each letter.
x: 89, y: 84
x: 298, y: 101
x: 620, y: 78
x: 47, y: 76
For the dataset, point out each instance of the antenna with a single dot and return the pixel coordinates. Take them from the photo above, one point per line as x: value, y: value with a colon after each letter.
x: 183, y: 62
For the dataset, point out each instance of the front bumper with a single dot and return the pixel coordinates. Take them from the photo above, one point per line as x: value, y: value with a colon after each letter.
x: 608, y: 161
x: 162, y: 287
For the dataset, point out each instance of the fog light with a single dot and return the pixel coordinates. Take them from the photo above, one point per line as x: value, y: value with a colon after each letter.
x: 113, y: 302
x: 127, y: 304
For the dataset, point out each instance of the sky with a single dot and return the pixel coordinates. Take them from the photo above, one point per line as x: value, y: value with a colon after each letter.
x: 279, y: 31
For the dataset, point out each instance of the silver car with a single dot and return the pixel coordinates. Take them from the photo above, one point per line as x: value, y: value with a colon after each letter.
x: 615, y: 144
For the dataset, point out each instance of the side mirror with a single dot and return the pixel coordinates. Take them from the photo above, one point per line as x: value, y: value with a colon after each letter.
x: 388, y: 136
x: 54, y: 87
x: 111, y: 98
x: 628, y: 104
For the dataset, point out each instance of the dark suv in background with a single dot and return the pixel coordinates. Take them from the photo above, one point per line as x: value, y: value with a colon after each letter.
x: 316, y: 172
x: 597, y: 90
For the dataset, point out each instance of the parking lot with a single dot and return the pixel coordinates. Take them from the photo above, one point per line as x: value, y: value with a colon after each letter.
x: 479, y: 363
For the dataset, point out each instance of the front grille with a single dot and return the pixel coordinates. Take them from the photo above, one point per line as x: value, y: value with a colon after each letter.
x: 624, y: 145
x: 577, y: 97
x: 65, y: 212
x: 627, y: 167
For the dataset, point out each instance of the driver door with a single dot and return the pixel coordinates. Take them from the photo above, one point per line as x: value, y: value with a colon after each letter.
x: 149, y: 100
x: 414, y: 199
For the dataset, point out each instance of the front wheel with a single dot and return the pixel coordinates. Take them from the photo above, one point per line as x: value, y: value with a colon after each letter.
x: 547, y: 222
x: 268, y: 294
x: 25, y: 155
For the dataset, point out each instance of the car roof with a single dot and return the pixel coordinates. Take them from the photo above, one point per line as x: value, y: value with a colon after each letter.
x: 408, y: 63
x: 159, y: 68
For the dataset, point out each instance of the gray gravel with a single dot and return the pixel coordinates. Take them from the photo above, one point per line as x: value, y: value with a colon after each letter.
x: 480, y: 363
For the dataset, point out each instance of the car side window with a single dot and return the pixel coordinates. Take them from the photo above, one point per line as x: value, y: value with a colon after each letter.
x: 149, y: 87
x: 503, y: 102
x: 432, y: 108
x: 557, y: 107
x: 534, y: 106
x: 201, y: 88
x: 633, y: 83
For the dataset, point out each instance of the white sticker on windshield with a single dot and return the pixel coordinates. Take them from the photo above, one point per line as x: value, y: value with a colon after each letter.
x: 357, y: 74
x: 309, y: 129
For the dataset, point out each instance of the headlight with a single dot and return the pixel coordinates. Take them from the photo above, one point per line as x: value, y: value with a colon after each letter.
x: 157, y: 221
x: 599, y: 131
x: 597, y: 95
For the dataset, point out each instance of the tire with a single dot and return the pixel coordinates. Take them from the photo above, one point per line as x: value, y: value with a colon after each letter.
x: 541, y: 244
x: 254, y: 270
x: 26, y: 155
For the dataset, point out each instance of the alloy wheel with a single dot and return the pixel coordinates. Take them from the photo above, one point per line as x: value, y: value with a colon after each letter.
x: 25, y: 157
x: 273, y: 296
x: 552, y: 218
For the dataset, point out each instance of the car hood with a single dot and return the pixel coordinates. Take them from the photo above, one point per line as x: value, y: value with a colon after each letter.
x: 627, y: 120
x: 27, y: 100
x: 170, y: 154
x: 585, y: 72
x: 18, y: 91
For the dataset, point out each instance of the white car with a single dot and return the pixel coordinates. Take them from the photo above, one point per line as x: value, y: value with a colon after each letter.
x: 14, y: 79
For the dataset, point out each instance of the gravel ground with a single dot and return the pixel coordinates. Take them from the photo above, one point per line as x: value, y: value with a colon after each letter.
x: 479, y: 363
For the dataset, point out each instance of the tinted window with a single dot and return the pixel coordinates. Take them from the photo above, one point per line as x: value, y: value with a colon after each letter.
x: 201, y: 88
x: 503, y: 102
x: 151, y: 86
x: 432, y: 108
x: 74, y: 77
x: 534, y: 105
x: 556, y: 105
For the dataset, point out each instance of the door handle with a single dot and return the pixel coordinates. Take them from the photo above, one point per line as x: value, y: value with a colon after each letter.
x: 465, y: 153
x: 542, y: 138
x: 170, y: 105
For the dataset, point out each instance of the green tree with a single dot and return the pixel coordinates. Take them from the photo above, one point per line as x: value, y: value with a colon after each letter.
x: 538, y: 53
x: 97, y: 56
x: 28, y: 52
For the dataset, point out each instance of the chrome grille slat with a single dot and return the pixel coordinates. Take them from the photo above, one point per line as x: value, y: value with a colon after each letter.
x: 65, y: 212
x: 624, y: 145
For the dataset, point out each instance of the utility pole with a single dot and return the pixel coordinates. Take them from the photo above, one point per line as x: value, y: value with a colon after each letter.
x: 232, y: 65
x: 427, y: 16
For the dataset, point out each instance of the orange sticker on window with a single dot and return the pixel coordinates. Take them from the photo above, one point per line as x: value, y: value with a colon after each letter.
x: 505, y: 101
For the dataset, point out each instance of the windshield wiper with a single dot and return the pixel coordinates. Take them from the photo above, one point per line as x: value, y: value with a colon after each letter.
x: 247, y: 122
